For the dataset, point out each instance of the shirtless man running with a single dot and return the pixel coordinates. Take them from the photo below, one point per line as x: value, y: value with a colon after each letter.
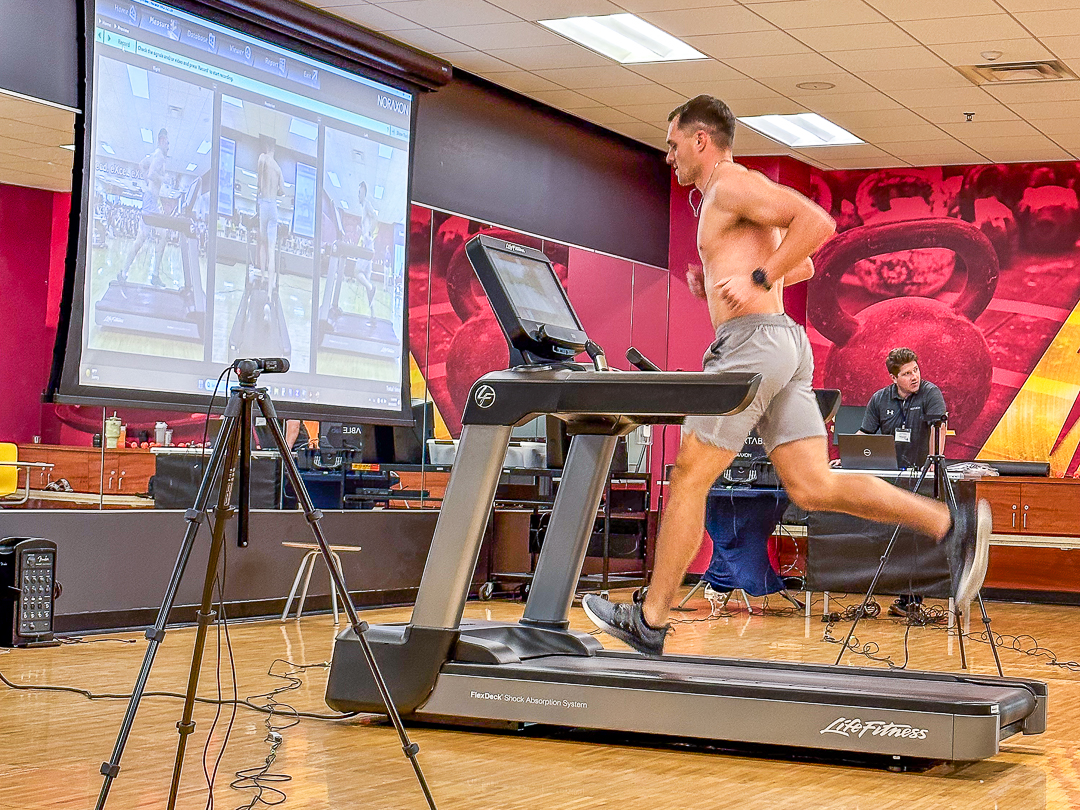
x: 271, y: 185
x: 753, y: 237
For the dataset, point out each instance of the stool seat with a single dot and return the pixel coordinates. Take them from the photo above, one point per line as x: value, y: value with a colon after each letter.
x: 307, y: 566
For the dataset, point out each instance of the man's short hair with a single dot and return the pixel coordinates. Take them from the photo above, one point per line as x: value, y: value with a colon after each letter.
x: 707, y: 113
x: 162, y: 133
x: 898, y: 358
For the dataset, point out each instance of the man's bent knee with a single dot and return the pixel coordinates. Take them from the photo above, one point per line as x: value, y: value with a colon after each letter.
x: 699, y: 463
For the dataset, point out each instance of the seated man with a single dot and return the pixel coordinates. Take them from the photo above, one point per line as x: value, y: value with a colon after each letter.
x: 754, y: 236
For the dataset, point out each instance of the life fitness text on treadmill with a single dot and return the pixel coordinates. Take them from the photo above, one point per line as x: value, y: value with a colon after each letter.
x: 878, y: 728
x: 566, y: 704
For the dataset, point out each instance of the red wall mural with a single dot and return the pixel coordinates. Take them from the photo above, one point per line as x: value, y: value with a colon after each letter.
x: 976, y: 269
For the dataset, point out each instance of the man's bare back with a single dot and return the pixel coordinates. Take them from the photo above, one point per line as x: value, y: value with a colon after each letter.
x: 271, y: 182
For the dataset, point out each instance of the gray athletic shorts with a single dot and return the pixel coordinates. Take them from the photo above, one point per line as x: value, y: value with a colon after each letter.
x: 785, y: 408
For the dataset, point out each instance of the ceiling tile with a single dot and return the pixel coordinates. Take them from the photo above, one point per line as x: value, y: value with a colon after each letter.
x: 522, y: 81
x: 697, y: 21
x: 608, y: 76
x: 604, y: 115
x: 807, y: 13
x: 1038, y: 5
x: 439, y: 13
x: 983, y: 143
x: 856, y: 151
x: 1012, y: 50
x: 655, y: 114
x: 665, y: 5
x: 375, y: 18
x: 1065, y: 47
x: 750, y: 142
x: 967, y: 131
x: 779, y: 105
x: 729, y: 91
x: 697, y: 70
x: 978, y: 28
x: 1049, y: 23
x: 930, y: 9
x: 431, y: 41
x: 916, y: 56
x: 827, y: 103
x: 1040, y: 110
x: 749, y: 44
x: 556, y: 9
x: 897, y: 117
x: 869, y: 36
x: 562, y: 99
x: 883, y: 162
x: 961, y: 96
x: 915, y: 79
x: 477, y: 62
x: 842, y: 83
x: 32, y: 134
x: 553, y: 56
x: 638, y: 129
x: 796, y: 64
x: 1040, y: 91
x: 1026, y: 154
x: 893, y: 134
x: 967, y: 158
x: 954, y: 114
x: 1054, y: 127
x: 503, y: 35
x: 642, y: 94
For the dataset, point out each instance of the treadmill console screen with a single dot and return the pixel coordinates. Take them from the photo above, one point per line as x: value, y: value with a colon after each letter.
x: 527, y: 298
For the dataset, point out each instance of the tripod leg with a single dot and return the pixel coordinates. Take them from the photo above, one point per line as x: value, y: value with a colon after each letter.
x: 156, y: 634
x: 881, y: 567
x: 359, y: 627
x: 233, y: 442
x: 990, y: 636
x: 697, y: 587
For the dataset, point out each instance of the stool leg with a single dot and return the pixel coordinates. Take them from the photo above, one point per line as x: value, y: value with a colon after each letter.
x: 295, y: 588
x: 333, y: 590
x: 310, y: 560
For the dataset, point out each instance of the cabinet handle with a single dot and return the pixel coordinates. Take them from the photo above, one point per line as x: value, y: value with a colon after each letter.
x: 1014, y: 516
x: 1025, y: 515
x: 120, y: 483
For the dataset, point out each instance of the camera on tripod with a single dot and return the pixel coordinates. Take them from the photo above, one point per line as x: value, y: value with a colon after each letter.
x: 249, y: 369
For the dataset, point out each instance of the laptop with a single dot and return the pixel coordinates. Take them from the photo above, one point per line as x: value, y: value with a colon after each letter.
x: 862, y: 451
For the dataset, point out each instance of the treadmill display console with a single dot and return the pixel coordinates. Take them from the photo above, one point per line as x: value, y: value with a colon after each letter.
x: 529, y: 302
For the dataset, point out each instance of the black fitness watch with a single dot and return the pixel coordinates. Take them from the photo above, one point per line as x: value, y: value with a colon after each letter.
x: 761, y: 279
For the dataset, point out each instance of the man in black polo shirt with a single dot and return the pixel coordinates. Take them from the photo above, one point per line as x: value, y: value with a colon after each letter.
x: 906, y: 409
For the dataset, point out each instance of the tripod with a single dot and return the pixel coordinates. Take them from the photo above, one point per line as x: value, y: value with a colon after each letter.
x: 943, y: 490
x: 232, y: 453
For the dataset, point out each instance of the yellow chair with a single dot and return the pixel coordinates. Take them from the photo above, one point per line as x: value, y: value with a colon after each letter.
x: 9, y: 475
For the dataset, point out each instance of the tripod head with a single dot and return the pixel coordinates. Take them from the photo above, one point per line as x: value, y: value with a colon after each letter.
x: 249, y: 369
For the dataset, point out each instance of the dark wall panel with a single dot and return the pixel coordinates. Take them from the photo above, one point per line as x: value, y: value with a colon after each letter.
x: 494, y: 156
x: 39, y: 49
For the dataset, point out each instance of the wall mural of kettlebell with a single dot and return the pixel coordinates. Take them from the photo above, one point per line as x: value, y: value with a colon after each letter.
x: 952, y: 352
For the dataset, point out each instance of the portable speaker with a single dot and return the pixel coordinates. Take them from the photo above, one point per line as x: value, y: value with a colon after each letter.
x: 28, y: 591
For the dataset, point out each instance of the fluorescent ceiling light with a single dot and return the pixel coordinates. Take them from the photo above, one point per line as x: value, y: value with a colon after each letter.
x: 234, y: 101
x: 624, y: 38
x: 802, y: 130
x: 385, y: 151
x: 304, y: 129
x: 204, y: 147
x: 107, y: 149
x: 140, y: 84
x: 191, y: 167
x: 345, y: 204
x: 334, y: 179
x: 147, y: 135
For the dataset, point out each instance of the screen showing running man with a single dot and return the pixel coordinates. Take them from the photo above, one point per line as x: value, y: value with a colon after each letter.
x: 240, y: 200
x: 533, y: 289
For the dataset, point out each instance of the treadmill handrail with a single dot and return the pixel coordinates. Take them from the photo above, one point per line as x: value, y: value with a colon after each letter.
x: 510, y: 397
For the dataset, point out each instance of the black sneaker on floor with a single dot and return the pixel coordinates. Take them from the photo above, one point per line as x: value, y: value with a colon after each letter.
x: 967, y: 548
x: 902, y: 610
x: 624, y: 621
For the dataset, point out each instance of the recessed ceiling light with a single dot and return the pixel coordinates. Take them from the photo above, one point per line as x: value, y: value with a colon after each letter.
x: 815, y: 85
x: 802, y: 130
x: 623, y: 37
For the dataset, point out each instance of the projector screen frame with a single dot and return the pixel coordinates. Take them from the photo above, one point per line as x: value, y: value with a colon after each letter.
x: 310, y: 33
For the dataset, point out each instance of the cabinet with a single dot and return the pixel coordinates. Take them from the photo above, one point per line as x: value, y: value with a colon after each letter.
x: 116, y: 472
x: 1034, y: 506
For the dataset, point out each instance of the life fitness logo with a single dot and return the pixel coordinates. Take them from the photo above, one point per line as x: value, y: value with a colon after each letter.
x: 866, y: 452
x: 855, y: 727
x: 394, y: 105
x: 484, y: 396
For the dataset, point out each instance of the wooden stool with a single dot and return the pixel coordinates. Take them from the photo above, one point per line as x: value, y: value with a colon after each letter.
x: 307, y: 565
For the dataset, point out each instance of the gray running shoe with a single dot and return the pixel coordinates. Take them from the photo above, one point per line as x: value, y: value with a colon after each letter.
x: 967, y: 548
x: 624, y: 621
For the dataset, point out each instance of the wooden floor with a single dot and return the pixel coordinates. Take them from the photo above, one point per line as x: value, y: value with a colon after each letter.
x: 52, y: 744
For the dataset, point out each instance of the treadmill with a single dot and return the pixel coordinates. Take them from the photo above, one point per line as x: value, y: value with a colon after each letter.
x: 259, y: 327
x: 538, y: 671
x: 339, y: 329
x: 162, y: 311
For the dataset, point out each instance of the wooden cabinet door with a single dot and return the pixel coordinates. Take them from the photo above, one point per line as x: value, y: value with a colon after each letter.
x: 1050, y: 508
x: 72, y: 463
x: 1004, y: 499
x: 133, y: 471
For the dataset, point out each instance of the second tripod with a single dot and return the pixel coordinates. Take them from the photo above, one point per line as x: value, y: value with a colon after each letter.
x: 230, y: 464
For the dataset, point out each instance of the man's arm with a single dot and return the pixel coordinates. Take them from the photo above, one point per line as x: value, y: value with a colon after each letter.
x: 754, y: 197
x: 871, y: 421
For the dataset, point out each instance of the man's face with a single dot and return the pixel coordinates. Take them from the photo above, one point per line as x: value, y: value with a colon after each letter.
x: 908, y: 379
x: 682, y: 155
